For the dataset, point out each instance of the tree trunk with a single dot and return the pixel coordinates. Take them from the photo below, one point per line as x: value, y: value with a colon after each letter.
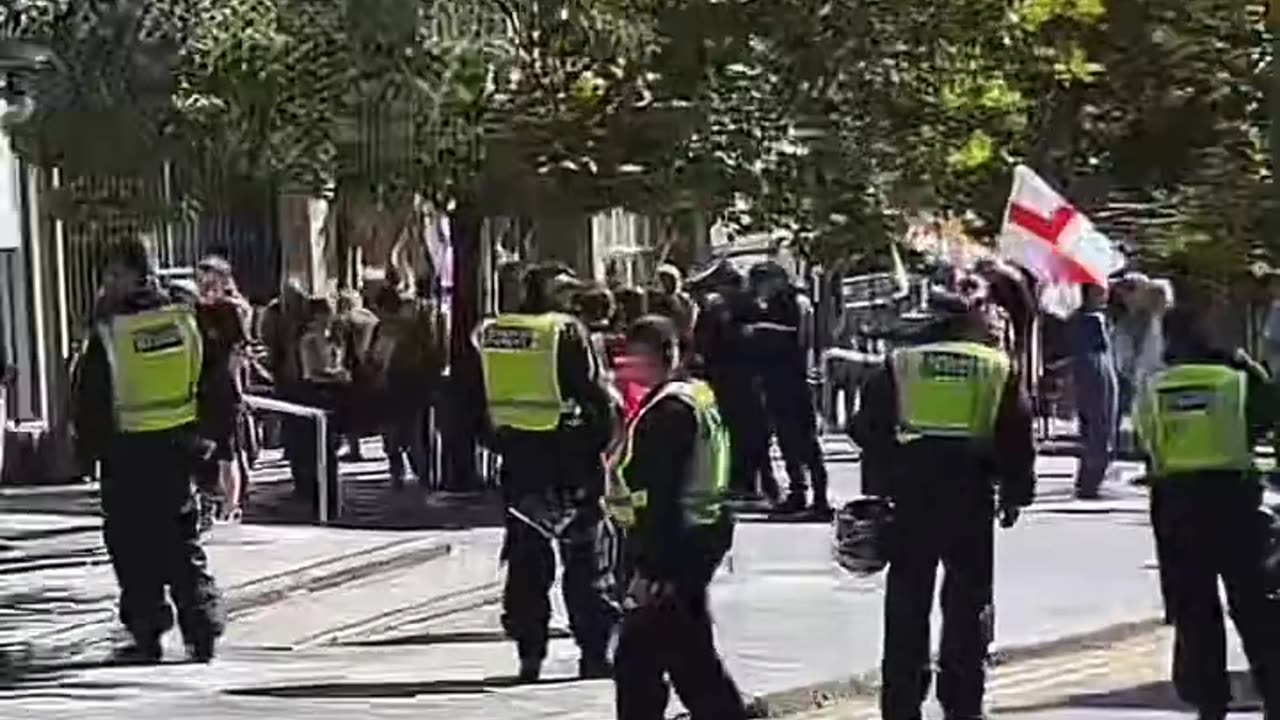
x: 459, y: 438
x: 307, y: 242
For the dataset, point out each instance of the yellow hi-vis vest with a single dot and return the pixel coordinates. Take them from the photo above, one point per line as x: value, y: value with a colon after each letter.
x: 1192, y: 417
x: 949, y: 389
x: 709, y: 466
x: 520, y: 357
x: 155, y: 358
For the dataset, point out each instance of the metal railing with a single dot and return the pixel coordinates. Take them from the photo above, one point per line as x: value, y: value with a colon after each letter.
x: 321, y: 420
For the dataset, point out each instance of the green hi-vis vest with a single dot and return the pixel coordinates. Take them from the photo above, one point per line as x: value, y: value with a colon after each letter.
x: 1192, y: 417
x: 709, y: 466
x: 155, y: 358
x: 949, y: 389
x: 520, y: 355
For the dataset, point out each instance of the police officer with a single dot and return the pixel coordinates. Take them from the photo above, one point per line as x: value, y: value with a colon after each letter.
x: 135, y: 412
x: 779, y: 337
x: 721, y: 338
x: 939, y: 425
x: 1198, y: 422
x: 550, y: 419
x: 667, y: 491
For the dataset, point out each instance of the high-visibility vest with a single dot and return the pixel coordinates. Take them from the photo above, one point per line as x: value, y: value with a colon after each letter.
x: 949, y: 389
x: 1193, y: 417
x: 520, y: 357
x: 709, y: 465
x: 154, y: 358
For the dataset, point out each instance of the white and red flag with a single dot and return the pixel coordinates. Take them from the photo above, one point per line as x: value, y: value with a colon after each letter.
x: 1055, y: 242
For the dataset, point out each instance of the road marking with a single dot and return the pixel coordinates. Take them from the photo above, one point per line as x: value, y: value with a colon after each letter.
x: 1139, y: 659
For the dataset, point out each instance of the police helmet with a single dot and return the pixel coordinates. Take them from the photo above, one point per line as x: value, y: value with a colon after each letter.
x: 544, y: 282
x: 717, y: 275
x: 183, y: 291
x: 862, y: 530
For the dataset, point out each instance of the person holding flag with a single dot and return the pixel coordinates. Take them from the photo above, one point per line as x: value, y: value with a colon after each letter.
x: 1072, y: 261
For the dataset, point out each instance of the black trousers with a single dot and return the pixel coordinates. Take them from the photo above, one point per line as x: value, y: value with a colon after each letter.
x: 299, y: 439
x: 1209, y: 528
x: 150, y: 530
x: 588, y: 550
x: 744, y: 416
x: 790, y: 408
x: 675, y: 640
x: 960, y: 536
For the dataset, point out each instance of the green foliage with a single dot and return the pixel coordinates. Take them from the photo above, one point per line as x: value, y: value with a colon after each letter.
x: 834, y: 120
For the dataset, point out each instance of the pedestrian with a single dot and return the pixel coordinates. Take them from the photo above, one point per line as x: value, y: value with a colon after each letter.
x: 223, y: 316
x: 399, y: 363
x: 283, y: 322
x: 667, y: 492
x: 1097, y: 394
x: 1198, y: 422
x: 135, y: 412
x: 671, y: 300
x: 779, y: 338
x: 355, y: 327
x: 633, y: 304
x: 550, y: 418
x: 325, y: 384
x: 941, y: 426
x: 597, y: 311
x: 724, y: 347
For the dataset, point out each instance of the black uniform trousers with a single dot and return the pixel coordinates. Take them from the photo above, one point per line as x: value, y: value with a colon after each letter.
x: 953, y: 526
x: 151, y: 534
x: 790, y: 407
x: 744, y: 416
x: 675, y: 639
x: 588, y: 549
x: 1208, y: 527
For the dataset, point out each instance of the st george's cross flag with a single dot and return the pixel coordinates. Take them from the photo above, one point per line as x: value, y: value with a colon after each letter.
x: 1056, y: 243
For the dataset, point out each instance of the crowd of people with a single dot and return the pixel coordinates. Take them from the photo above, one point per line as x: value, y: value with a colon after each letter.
x: 626, y: 426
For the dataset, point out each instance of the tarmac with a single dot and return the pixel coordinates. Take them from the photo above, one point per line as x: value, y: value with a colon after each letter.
x: 328, y: 622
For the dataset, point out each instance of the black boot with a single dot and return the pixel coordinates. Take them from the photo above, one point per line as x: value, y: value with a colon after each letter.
x: 201, y: 649
x: 795, y: 503
x: 530, y: 670
x: 145, y: 651
x: 594, y: 667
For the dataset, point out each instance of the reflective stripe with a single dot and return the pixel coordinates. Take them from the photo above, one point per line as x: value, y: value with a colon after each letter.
x: 709, y: 466
x: 777, y: 327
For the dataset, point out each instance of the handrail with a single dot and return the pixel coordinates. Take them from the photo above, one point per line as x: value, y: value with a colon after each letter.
x: 321, y: 418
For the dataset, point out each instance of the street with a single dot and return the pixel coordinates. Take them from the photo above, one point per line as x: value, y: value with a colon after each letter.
x: 328, y: 622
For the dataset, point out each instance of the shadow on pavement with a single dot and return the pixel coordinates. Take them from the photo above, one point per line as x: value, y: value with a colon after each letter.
x: 1094, y: 510
x: 460, y: 637
x: 1151, y: 696
x: 79, y: 499
x: 370, y: 501
x: 393, y: 689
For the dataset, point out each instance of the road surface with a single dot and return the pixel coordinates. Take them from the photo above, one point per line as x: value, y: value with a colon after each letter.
x: 331, y: 623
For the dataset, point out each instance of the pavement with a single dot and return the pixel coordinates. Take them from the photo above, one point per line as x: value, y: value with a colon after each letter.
x: 397, y: 616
